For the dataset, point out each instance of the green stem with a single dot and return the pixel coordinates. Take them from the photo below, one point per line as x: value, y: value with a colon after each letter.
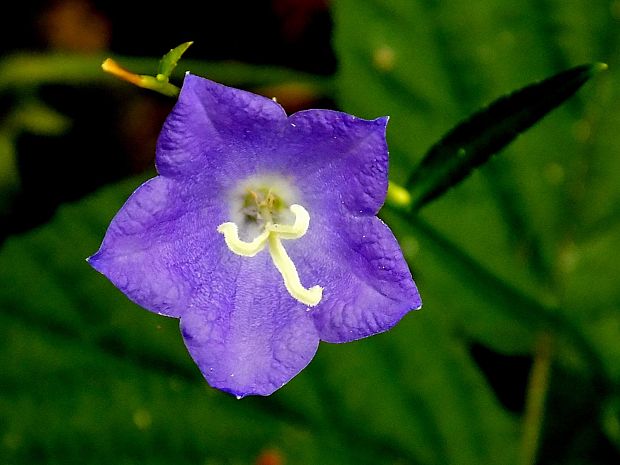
x: 535, y: 402
x: 31, y: 70
x: 158, y: 84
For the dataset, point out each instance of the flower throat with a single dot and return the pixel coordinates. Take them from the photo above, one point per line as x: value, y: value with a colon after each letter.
x: 264, y: 208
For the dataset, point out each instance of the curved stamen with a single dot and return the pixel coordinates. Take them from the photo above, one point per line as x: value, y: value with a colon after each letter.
x: 246, y: 249
x: 286, y: 267
x: 295, y: 230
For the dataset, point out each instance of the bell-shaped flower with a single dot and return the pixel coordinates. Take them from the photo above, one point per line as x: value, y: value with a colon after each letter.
x: 260, y: 234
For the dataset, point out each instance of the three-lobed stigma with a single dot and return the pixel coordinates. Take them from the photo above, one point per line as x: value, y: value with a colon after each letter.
x: 271, y: 237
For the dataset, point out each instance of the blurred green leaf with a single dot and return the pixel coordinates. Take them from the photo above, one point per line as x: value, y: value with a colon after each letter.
x: 518, y: 217
x: 472, y: 142
x: 527, y: 243
x: 37, y: 118
x: 29, y: 115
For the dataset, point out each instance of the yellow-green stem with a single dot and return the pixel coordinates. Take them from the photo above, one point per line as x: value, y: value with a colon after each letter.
x: 535, y: 401
x: 158, y: 84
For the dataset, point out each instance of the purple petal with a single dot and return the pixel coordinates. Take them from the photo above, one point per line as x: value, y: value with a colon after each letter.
x: 247, y: 334
x: 163, y: 245
x: 213, y: 126
x: 367, y: 284
x: 336, y: 156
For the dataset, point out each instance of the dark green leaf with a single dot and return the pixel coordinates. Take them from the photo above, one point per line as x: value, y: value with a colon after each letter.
x: 473, y: 142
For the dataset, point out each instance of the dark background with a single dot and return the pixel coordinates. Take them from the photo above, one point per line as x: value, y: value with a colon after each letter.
x: 113, y: 133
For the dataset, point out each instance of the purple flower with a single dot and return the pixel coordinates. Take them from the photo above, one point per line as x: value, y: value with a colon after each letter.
x: 260, y: 234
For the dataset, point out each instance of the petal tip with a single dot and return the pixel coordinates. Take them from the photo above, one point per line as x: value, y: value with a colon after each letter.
x: 383, y: 120
x: 93, y: 260
x: 243, y: 392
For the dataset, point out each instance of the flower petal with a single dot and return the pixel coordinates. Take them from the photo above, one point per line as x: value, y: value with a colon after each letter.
x: 336, y: 156
x: 212, y: 125
x: 367, y: 284
x: 247, y: 334
x: 162, y: 245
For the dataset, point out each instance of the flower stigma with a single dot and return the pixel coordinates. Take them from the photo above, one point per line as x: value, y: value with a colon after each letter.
x: 263, y: 211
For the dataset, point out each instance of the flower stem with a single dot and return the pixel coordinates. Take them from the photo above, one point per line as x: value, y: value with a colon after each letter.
x: 158, y: 84
x: 535, y: 402
x: 31, y: 70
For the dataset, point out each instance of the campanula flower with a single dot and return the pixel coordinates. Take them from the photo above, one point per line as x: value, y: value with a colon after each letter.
x: 260, y: 235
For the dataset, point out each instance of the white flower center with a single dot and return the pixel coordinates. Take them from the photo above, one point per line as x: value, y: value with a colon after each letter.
x: 260, y: 207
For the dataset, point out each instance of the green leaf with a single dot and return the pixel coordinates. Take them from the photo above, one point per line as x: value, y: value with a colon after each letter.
x: 472, y: 142
x: 170, y: 60
x: 528, y: 243
x: 514, y: 217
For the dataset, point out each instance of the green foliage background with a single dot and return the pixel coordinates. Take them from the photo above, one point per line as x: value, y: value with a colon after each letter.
x: 520, y: 258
